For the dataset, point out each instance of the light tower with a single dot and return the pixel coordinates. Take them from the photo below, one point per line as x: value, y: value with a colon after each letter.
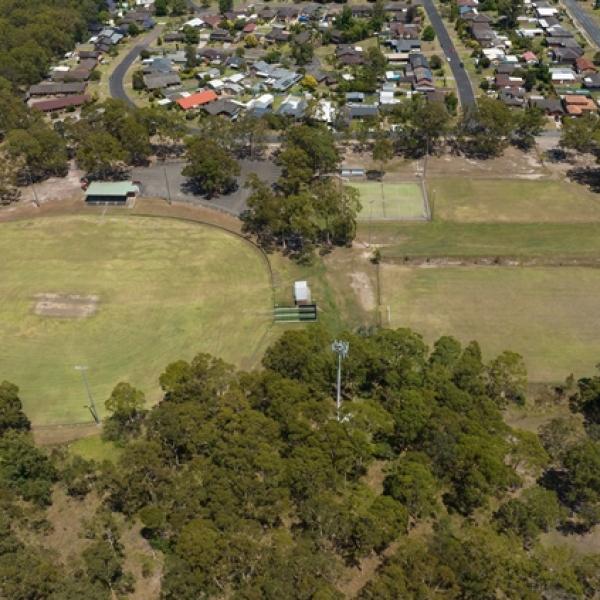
x: 341, y: 348
x: 92, y: 405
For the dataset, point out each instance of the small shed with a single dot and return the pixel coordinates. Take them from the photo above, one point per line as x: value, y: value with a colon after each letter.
x: 110, y: 192
x: 301, y: 292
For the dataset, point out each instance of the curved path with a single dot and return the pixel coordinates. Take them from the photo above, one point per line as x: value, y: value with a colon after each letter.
x: 463, y: 83
x: 115, y: 81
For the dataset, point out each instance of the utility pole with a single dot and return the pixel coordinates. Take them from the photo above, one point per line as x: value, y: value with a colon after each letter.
x: 92, y: 405
x: 167, y: 182
x: 341, y: 349
x: 36, y: 200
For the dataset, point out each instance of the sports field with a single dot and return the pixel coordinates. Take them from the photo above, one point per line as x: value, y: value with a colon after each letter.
x: 549, y: 315
x: 124, y: 296
x: 390, y: 201
x: 472, y: 200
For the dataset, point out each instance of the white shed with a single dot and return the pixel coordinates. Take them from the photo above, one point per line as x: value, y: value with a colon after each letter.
x: 301, y: 292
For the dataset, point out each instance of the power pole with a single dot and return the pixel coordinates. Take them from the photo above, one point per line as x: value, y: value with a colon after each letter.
x: 36, y: 200
x: 92, y: 405
x: 167, y: 182
x: 341, y: 348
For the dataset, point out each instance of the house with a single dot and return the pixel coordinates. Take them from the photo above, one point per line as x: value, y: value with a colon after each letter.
x: 578, y: 104
x: 110, y: 192
x: 592, y: 81
x: 404, y: 31
x: 174, y: 36
x: 221, y: 35
x: 214, y: 55
x: 267, y: 14
x: 57, y: 89
x: 287, y: 14
x: 159, y: 81
x: 303, y: 37
x: 350, y: 59
x: 551, y: 106
x: 197, y: 100
x: 60, y: 103
x: 212, y: 21
x: 158, y: 64
x: 483, y: 34
x: 223, y: 107
x: 529, y: 58
x: 86, y: 54
x: 293, y: 106
x: 195, y: 23
x: 560, y: 76
x: 362, y: 111
x: 324, y: 111
x: 277, y: 35
x: 567, y: 56
x: 355, y: 97
x: 235, y: 62
x: 512, y: 97
x: 361, y: 11
x: 585, y: 65
x: 249, y: 28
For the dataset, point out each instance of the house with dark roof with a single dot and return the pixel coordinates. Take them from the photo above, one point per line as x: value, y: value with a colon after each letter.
x: 57, y: 104
x: 223, y: 107
x: 361, y: 11
x: 57, y: 89
x: 221, y: 35
x: 551, y: 106
x: 362, y: 111
x: 160, y: 81
x: 277, y: 35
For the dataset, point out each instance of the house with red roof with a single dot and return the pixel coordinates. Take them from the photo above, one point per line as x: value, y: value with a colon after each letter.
x: 529, y: 58
x: 197, y: 100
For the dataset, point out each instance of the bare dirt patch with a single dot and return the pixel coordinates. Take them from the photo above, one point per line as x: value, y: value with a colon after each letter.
x: 65, y: 306
x: 361, y: 284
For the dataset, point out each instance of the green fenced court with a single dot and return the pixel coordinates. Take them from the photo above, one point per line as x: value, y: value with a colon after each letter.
x: 390, y: 201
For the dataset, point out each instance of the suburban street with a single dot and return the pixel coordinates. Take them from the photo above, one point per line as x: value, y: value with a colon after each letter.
x: 463, y: 83
x: 584, y: 20
x: 115, y: 82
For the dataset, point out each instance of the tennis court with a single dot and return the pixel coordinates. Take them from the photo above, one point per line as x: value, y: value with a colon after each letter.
x: 390, y: 201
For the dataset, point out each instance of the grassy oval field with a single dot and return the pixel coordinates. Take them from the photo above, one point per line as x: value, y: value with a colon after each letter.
x: 124, y: 296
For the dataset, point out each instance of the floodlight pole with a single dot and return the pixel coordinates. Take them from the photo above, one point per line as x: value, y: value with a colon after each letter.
x: 92, y: 405
x: 341, y: 349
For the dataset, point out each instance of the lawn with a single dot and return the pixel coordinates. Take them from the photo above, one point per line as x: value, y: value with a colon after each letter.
x: 512, y: 201
x: 552, y: 242
x: 155, y: 290
x: 551, y: 316
x: 390, y: 201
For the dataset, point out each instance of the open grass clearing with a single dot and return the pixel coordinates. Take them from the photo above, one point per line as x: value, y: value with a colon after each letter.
x: 390, y: 201
x: 512, y: 201
x: 165, y: 289
x: 550, y: 316
x: 550, y: 242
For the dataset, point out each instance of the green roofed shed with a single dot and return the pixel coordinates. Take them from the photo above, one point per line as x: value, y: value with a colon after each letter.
x: 114, y: 192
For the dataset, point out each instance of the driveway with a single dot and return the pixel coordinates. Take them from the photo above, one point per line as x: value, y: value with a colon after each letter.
x: 164, y: 179
x: 115, y: 82
x: 463, y: 83
x: 583, y: 20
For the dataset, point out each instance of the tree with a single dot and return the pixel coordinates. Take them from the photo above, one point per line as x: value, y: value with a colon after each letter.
x: 24, y: 469
x: 101, y: 155
x: 138, y: 80
x: 11, y: 409
x: 383, y: 151
x: 428, y: 34
x: 412, y: 483
x: 126, y: 404
x: 191, y: 57
x: 309, y: 82
x: 507, y: 379
x: 486, y: 129
x: 9, y: 192
x: 250, y: 41
x: 581, y: 134
x: 528, y: 123
x: 225, y: 6
x: 210, y: 167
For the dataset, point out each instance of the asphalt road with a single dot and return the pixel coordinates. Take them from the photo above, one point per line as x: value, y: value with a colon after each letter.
x: 115, y: 82
x: 584, y: 20
x: 463, y: 83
